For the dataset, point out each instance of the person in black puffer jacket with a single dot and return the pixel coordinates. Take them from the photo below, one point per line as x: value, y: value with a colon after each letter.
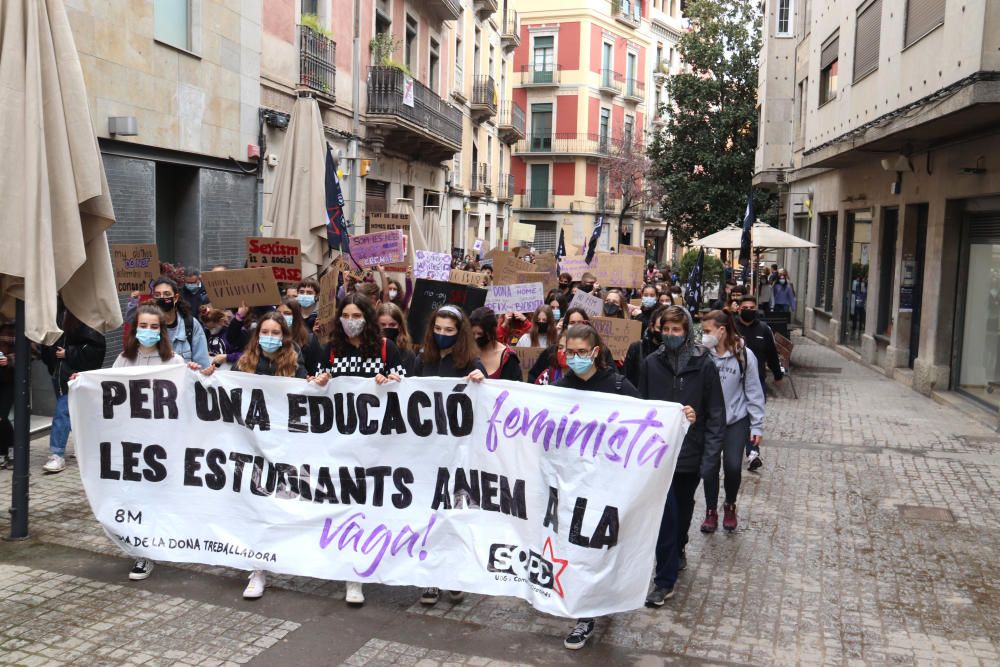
x: 683, y: 372
x: 650, y: 342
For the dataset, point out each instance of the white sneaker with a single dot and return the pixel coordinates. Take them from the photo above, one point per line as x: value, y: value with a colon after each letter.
x: 55, y: 463
x: 355, y: 595
x: 255, y: 588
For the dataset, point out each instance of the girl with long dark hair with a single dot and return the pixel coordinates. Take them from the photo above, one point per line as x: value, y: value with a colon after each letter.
x: 499, y: 359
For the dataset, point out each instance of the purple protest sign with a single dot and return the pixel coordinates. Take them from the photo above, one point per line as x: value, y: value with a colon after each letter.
x: 377, y: 248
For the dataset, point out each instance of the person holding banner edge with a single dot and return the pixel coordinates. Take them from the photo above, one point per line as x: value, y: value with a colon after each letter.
x: 682, y: 372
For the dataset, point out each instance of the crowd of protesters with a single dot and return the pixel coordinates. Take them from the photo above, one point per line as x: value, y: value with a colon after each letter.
x: 714, y: 367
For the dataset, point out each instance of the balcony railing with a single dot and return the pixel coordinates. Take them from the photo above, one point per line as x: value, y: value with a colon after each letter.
x: 611, y: 82
x: 628, y: 12
x: 480, y: 185
x: 568, y: 143
x: 536, y: 198
x: 505, y: 187
x: 484, y: 96
x: 445, y: 10
x: 540, y: 76
x: 317, y: 62
x: 511, y: 123
x: 394, y: 104
x: 510, y: 32
x: 635, y: 90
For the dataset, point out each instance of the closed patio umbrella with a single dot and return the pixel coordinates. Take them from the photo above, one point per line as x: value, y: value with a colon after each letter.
x: 55, y: 203
x: 298, y: 203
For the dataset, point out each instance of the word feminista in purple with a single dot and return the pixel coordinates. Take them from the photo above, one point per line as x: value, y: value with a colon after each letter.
x: 622, y: 441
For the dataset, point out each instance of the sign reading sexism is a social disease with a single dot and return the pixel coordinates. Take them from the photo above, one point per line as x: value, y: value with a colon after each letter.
x: 499, y: 488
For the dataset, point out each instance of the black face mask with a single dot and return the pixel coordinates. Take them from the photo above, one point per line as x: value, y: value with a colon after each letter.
x: 481, y: 341
x: 585, y: 288
x: 166, y: 304
x: 748, y: 316
x: 563, y: 285
x: 541, y: 327
x: 390, y: 333
x: 611, y: 309
x: 655, y: 337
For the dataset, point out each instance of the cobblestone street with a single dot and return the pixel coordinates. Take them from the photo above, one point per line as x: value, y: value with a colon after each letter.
x: 870, y: 537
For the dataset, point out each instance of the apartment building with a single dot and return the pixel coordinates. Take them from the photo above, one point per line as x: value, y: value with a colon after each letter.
x: 581, y: 73
x: 415, y: 116
x: 880, y: 130
x: 173, y: 93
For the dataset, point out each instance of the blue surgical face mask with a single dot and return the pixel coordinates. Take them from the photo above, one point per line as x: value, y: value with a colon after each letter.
x: 288, y: 320
x: 556, y: 313
x: 579, y: 365
x: 147, y: 337
x: 270, y: 343
x: 192, y: 287
x: 648, y: 301
x: 444, y: 341
x: 306, y: 300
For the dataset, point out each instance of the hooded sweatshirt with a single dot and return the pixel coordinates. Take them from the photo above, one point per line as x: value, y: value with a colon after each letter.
x: 742, y: 389
x: 688, y: 376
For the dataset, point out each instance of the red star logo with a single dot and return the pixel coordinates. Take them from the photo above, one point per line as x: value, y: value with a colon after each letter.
x: 548, y: 553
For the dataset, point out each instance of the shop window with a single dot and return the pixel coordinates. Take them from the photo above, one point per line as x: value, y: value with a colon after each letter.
x: 826, y: 269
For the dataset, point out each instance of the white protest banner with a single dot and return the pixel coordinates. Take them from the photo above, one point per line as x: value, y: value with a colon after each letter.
x: 520, y: 298
x: 431, y: 265
x: 561, y: 491
x: 592, y: 305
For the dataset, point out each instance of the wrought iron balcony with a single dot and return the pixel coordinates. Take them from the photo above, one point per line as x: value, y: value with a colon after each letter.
x: 505, y: 187
x: 563, y: 143
x: 628, y: 12
x: 540, y: 77
x: 484, y: 98
x: 510, y: 31
x: 444, y: 10
x: 535, y: 198
x: 635, y: 90
x: 612, y: 83
x: 411, y: 119
x: 511, y: 123
x: 480, y: 186
x: 317, y: 62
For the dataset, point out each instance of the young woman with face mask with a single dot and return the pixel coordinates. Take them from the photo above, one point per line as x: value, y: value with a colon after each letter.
x: 647, y: 304
x: 498, y: 359
x: 224, y: 337
x: 651, y: 341
x: 543, y: 324
x: 744, y: 396
x: 302, y: 336
x: 615, y: 305
x: 392, y: 323
x: 588, y: 371
x: 308, y: 297
x: 187, y: 336
x: 148, y: 345
x: 270, y: 351
x: 555, y: 358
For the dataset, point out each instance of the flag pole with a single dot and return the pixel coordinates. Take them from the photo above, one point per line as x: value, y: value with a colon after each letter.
x: 22, y: 415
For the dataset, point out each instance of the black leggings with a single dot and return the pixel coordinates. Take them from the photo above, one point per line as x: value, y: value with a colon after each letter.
x: 6, y: 428
x: 733, y: 444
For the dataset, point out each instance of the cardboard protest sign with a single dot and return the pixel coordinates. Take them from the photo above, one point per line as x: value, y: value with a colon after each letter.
x: 327, y: 308
x: 549, y: 281
x: 229, y: 289
x: 632, y: 250
x: 429, y: 295
x: 528, y: 356
x: 620, y: 270
x: 465, y: 277
x: 284, y: 256
x: 617, y: 333
x: 432, y: 265
x: 270, y: 473
x: 506, y: 266
x: 383, y: 222
x: 592, y: 305
x: 136, y: 265
x: 371, y: 250
x: 576, y: 266
x: 519, y: 298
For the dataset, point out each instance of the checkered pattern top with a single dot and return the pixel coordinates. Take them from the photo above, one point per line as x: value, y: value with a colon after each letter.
x: 351, y: 363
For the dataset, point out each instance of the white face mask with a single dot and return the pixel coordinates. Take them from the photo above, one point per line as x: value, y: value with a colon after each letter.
x: 709, y: 340
x: 393, y: 293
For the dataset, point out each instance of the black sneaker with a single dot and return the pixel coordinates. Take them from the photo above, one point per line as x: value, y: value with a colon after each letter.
x: 682, y: 562
x: 141, y: 570
x: 456, y: 596
x: 430, y: 596
x: 580, y: 633
x: 755, y: 461
x: 658, y: 596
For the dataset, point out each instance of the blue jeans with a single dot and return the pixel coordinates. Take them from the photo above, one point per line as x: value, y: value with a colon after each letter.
x: 60, y: 427
x: 781, y: 308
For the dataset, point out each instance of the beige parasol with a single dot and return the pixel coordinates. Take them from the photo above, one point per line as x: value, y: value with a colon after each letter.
x: 55, y: 202
x: 762, y: 236
x: 298, y: 203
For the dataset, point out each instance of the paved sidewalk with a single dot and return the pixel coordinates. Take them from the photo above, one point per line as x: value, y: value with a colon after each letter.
x: 869, y: 537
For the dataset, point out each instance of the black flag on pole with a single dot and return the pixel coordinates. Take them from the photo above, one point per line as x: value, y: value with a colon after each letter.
x: 745, y: 240
x: 592, y: 244
x: 561, y: 248
x: 694, y: 283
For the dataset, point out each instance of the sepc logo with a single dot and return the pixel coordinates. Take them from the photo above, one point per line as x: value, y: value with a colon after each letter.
x: 541, y: 569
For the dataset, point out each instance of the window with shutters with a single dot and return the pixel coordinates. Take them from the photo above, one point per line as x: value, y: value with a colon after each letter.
x: 828, y: 61
x: 922, y: 16
x: 827, y: 267
x: 783, y: 27
x: 867, y: 31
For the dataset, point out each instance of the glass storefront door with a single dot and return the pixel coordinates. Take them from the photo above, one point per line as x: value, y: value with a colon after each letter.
x: 979, y: 369
x: 857, y: 254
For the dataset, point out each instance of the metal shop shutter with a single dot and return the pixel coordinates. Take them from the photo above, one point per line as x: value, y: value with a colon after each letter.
x: 866, y: 38
x: 922, y: 16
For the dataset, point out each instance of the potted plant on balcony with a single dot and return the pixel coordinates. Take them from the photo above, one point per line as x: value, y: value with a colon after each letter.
x: 382, y: 46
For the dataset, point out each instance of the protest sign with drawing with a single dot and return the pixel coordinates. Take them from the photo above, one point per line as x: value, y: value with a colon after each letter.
x: 284, y: 256
x: 432, y: 265
x: 378, y: 248
x: 617, y: 333
x: 592, y: 305
x: 230, y: 289
x: 564, y: 489
x: 136, y: 265
x: 519, y: 298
